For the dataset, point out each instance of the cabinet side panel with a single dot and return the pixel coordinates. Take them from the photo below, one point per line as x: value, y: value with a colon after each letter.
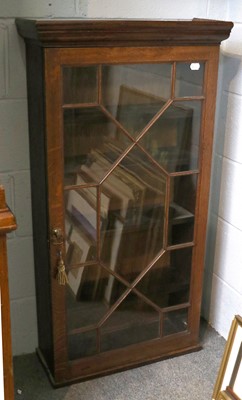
x: 39, y: 197
x: 207, y: 134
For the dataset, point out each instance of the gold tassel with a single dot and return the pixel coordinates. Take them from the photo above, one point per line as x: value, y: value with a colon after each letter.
x: 61, y: 272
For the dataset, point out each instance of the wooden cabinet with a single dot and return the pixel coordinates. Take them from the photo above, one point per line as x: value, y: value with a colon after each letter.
x: 121, y: 128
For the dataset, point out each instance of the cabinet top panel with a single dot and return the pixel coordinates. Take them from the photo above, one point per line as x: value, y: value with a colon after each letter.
x: 119, y: 32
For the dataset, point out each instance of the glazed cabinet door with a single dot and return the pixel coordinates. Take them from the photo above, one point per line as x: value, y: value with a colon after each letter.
x: 127, y: 189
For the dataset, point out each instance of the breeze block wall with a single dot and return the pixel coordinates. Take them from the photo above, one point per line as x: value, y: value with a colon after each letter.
x: 14, y: 161
x: 223, y: 272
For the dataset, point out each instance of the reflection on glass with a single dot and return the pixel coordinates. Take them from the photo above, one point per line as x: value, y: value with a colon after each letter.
x: 133, y: 94
x: 80, y: 85
x: 167, y: 283
x: 174, y: 138
x: 86, y: 133
x: 136, y: 190
x: 189, y: 79
x: 132, y: 322
x: 175, y: 322
x: 182, y: 209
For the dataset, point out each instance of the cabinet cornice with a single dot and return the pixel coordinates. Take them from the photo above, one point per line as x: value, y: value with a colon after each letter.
x: 97, y: 32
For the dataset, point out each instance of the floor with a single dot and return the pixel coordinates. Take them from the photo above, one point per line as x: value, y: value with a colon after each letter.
x: 190, y: 377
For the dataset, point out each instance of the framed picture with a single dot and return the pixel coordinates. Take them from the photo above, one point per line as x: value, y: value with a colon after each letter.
x: 229, y: 381
x: 225, y: 396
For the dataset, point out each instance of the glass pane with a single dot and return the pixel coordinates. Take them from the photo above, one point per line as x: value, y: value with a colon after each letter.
x: 175, y: 321
x: 182, y: 209
x: 80, y: 85
x: 86, y: 131
x: 133, y: 94
x: 132, y: 322
x: 173, y: 139
x: 91, y: 291
x: 114, y: 215
x: 168, y: 282
x: 82, y: 345
x: 86, y: 283
x: 136, y: 189
x: 189, y: 79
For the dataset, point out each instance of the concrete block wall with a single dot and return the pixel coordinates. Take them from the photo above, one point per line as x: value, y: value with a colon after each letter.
x: 14, y: 159
x: 14, y: 175
x: 223, y: 273
x: 225, y: 217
